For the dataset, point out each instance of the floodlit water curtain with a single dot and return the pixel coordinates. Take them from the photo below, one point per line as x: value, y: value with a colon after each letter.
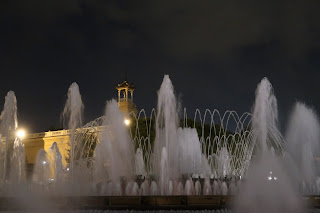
x: 171, y: 151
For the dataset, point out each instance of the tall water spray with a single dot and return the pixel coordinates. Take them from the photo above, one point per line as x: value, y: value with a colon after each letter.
x: 54, y: 159
x: 9, y: 124
x: 139, y: 163
x: 224, y: 167
x: 72, y: 116
x: 268, y: 187
x: 113, y: 154
x: 190, y: 151
x: 265, y: 114
x: 41, y: 171
x: 166, y: 135
x: 17, y: 163
x: 302, y: 141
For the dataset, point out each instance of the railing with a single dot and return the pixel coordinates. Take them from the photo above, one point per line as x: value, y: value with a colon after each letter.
x: 125, y: 100
x: 57, y: 133
x: 54, y: 133
x: 43, y: 134
x: 36, y: 135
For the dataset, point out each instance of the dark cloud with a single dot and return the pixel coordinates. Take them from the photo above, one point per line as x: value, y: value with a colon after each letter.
x: 184, y: 28
x: 215, y: 52
x: 41, y: 10
x: 190, y: 29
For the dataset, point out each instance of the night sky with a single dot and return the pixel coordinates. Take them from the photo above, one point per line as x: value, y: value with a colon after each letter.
x: 215, y: 52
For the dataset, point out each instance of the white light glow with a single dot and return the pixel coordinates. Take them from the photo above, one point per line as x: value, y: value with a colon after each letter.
x: 44, y: 162
x: 271, y: 177
x: 127, y: 122
x: 20, y: 133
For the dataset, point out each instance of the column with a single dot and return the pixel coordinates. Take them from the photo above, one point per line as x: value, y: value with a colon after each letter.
x: 127, y: 94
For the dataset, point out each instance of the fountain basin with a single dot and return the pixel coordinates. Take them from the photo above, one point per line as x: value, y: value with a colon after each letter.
x: 138, y: 202
x: 124, y: 202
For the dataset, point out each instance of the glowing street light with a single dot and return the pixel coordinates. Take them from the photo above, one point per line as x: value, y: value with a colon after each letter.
x: 127, y: 122
x: 44, y: 162
x: 20, y: 133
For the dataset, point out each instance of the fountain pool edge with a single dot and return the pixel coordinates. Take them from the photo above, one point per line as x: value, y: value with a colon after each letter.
x: 137, y: 202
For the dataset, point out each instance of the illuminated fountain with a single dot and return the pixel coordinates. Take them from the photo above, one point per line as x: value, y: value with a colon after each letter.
x: 178, y: 153
x: 72, y: 116
x: 123, y: 154
x: 9, y: 124
x: 268, y: 187
x: 166, y: 149
x: 114, y: 156
x: 209, y: 154
x: 302, y: 147
x: 41, y: 172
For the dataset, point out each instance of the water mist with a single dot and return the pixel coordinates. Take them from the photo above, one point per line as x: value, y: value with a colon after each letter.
x: 166, y: 147
x: 72, y: 115
x: 9, y: 124
x: 114, y: 152
x: 302, y: 141
x: 54, y: 159
x: 268, y: 187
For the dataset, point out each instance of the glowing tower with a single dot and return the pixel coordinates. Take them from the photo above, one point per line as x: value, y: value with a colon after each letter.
x: 125, y: 98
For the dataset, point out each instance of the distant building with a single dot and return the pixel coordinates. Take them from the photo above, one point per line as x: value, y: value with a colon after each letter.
x: 125, y: 98
x: 35, y: 141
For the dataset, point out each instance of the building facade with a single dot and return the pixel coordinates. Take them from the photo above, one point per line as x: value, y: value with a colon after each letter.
x: 44, y: 140
x: 125, y: 98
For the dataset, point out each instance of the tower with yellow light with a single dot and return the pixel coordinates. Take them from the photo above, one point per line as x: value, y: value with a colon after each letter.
x: 125, y: 98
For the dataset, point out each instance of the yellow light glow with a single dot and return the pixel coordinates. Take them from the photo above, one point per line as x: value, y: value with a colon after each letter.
x: 21, y: 133
x: 127, y: 122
